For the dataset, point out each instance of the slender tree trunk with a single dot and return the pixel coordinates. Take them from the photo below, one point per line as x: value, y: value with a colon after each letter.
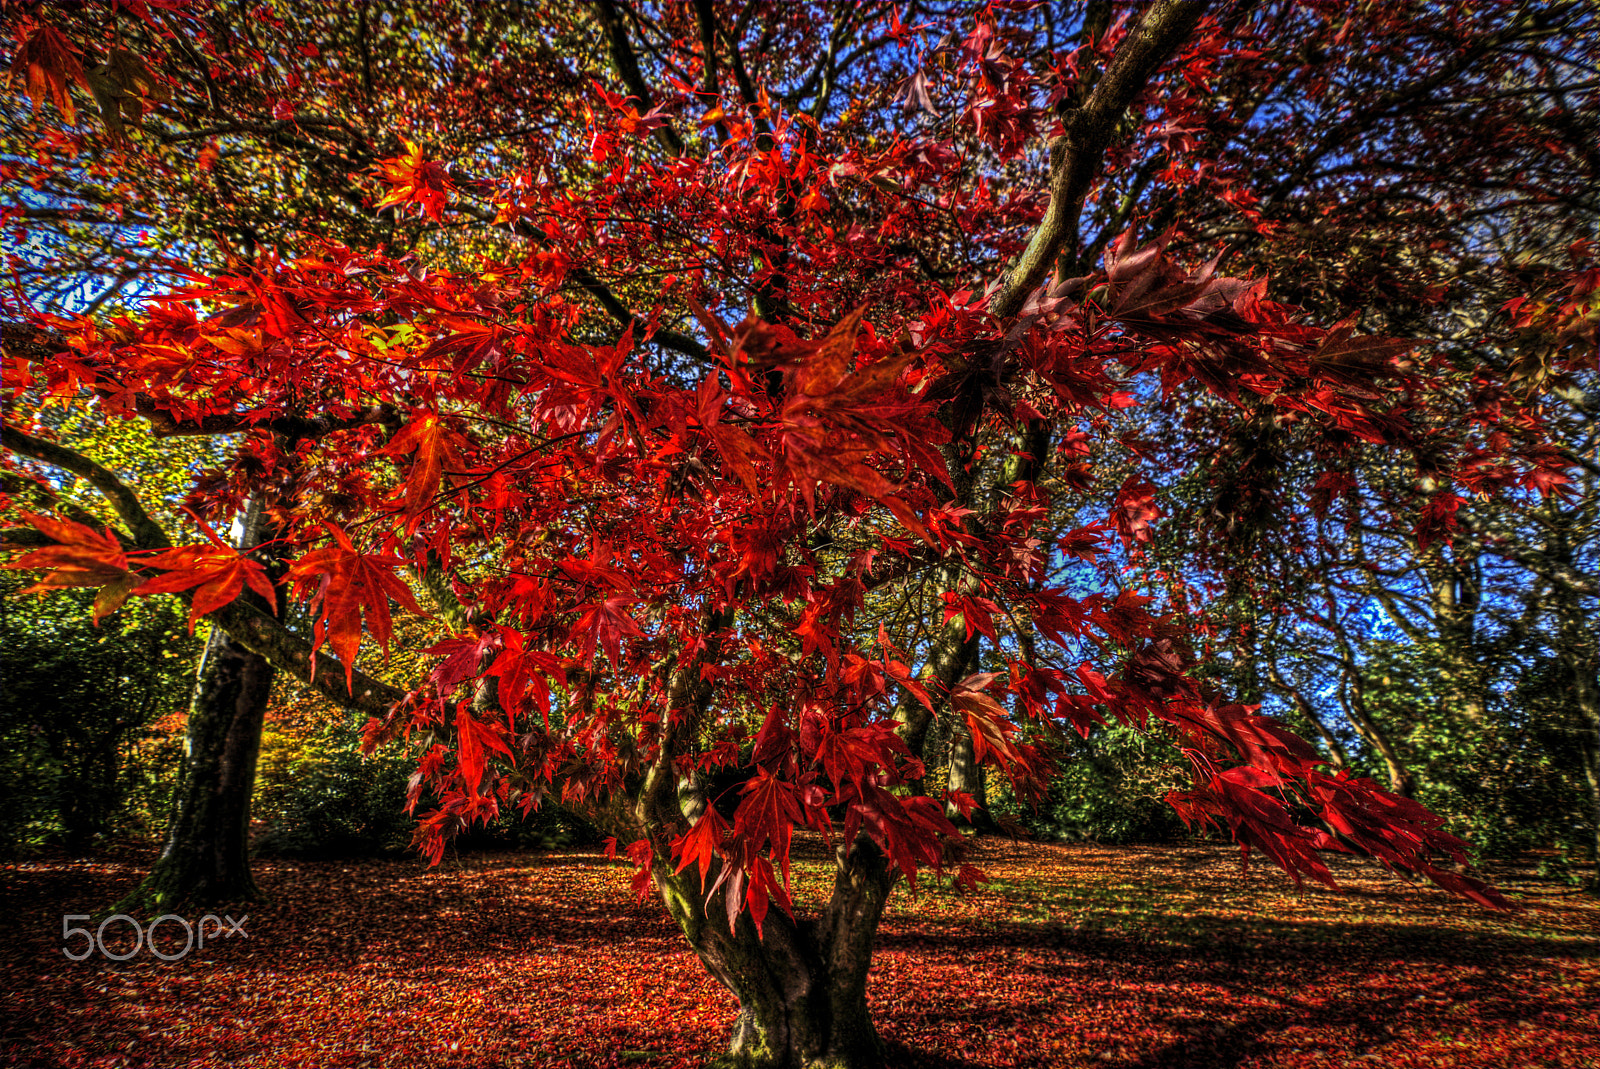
x: 1353, y: 695
x: 1353, y: 698
x: 801, y: 985
x: 1589, y: 707
x: 1580, y: 656
x: 1336, y: 750
x: 967, y: 775
x: 1457, y: 590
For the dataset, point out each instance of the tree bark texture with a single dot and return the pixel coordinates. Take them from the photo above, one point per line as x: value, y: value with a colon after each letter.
x: 801, y: 984
x: 206, y: 858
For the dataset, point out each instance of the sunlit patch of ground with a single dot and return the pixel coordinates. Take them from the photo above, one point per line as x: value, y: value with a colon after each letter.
x: 1073, y: 956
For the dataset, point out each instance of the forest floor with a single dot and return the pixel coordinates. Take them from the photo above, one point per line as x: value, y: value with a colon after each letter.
x: 1103, y: 957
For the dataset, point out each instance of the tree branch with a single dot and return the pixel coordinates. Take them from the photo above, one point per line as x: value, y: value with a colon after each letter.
x: 245, y: 624
x: 627, y: 65
x: 1077, y: 154
x: 147, y: 534
x: 261, y: 634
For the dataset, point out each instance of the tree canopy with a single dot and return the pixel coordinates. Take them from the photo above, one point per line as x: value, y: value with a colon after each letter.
x: 742, y: 391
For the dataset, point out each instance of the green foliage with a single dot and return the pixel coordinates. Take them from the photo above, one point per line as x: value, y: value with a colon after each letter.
x: 1514, y: 786
x: 79, y: 751
x: 1109, y: 789
x: 318, y: 796
x: 1508, y: 785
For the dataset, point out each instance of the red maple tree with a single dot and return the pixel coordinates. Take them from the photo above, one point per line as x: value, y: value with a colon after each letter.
x: 671, y: 541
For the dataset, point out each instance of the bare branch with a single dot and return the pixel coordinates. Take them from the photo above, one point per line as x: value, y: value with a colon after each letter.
x: 147, y: 534
x: 1076, y: 155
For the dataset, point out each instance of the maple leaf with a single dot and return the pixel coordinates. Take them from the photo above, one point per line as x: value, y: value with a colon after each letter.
x: 121, y: 85
x: 1438, y: 519
x: 968, y: 878
x: 415, y: 180
x: 474, y: 740
x: 764, y: 886
x: 701, y: 844
x: 81, y: 557
x: 1353, y: 360
x: 767, y: 815
x: 434, y: 450
x: 48, y: 63
x: 975, y: 612
x: 352, y: 594
x: 219, y: 571
x: 992, y: 729
x: 1135, y: 511
x: 605, y: 624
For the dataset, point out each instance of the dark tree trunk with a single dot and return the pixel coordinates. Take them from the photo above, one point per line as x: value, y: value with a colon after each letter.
x: 206, y: 858
x: 1579, y: 652
x: 802, y: 986
x: 801, y: 983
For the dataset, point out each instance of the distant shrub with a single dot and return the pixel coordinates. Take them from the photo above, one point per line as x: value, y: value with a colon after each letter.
x: 318, y: 796
x: 81, y: 751
x: 1109, y: 788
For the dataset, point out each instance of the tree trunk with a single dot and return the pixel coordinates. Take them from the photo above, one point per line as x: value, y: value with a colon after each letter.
x: 206, y: 859
x: 966, y: 775
x: 1457, y: 593
x: 1352, y: 695
x: 801, y: 985
x: 1580, y: 656
x: 1353, y: 699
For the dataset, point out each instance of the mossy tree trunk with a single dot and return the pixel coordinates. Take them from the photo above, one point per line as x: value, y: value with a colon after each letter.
x: 206, y: 857
x: 802, y: 982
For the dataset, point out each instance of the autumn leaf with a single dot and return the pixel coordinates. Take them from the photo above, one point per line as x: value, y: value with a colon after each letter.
x: 415, y: 180
x: 767, y: 815
x: 701, y: 844
x: 605, y: 624
x: 474, y: 741
x: 434, y: 450
x: 81, y: 557
x: 220, y: 573
x: 48, y: 64
x: 992, y: 729
x: 351, y: 596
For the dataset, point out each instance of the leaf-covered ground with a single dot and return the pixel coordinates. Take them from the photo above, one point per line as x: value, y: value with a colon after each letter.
x: 1074, y: 956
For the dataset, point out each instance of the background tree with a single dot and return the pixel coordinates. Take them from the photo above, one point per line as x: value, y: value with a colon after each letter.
x: 1448, y: 245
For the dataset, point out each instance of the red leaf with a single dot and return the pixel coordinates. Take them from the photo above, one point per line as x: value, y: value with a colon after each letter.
x: 606, y: 624
x: 219, y: 572
x: 434, y: 449
x: 701, y: 844
x: 353, y: 591
x: 81, y: 557
x: 414, y: 180
x: 47, y: 62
